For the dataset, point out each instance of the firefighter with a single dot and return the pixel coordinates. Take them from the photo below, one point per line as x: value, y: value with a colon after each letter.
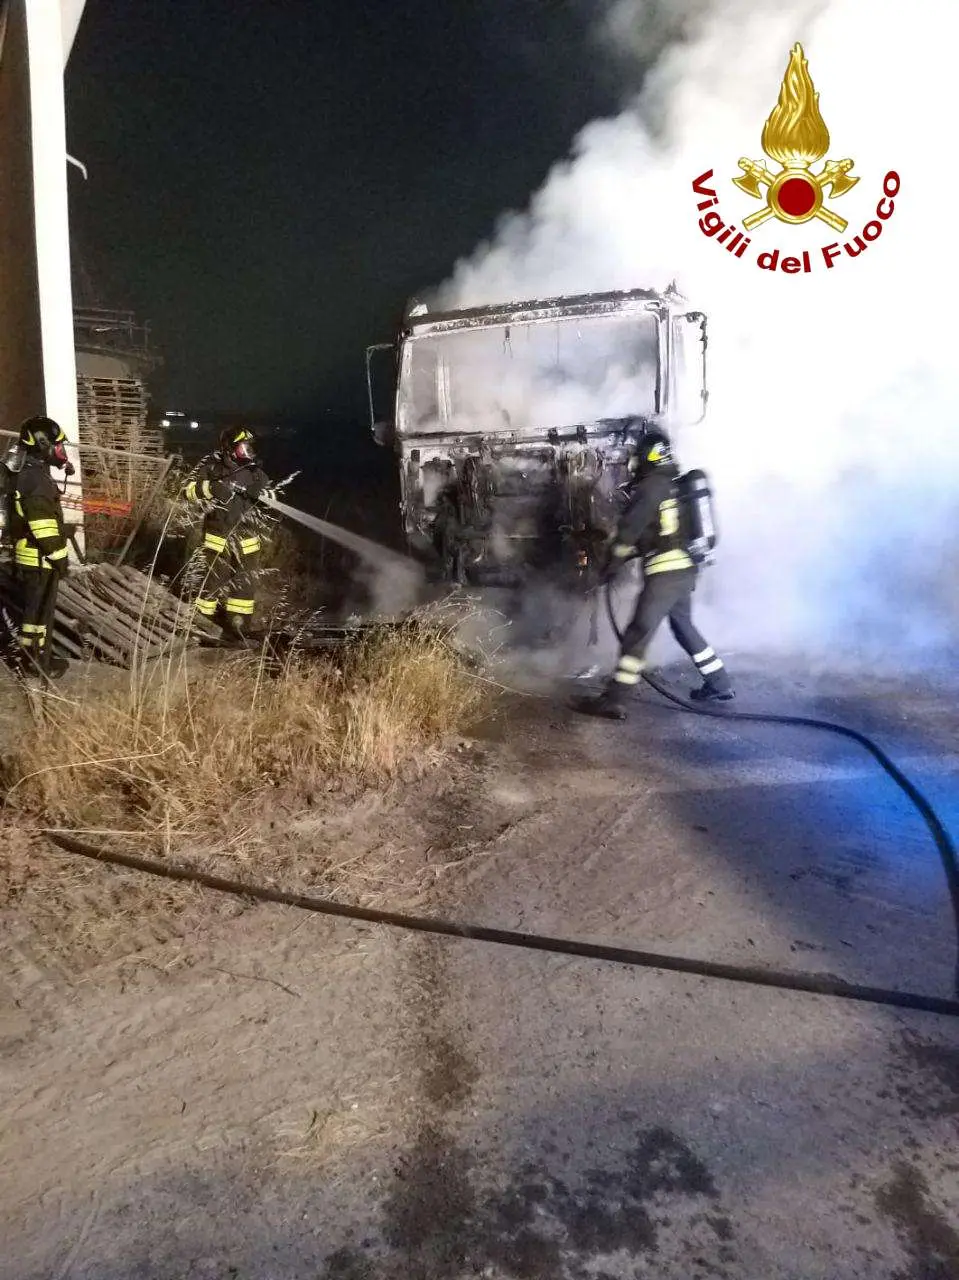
x: 230, y: 483
x: 652, y: 525
x: 40, y: 545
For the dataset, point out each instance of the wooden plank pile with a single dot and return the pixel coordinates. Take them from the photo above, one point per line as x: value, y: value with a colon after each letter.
x: 117, y: 614
x: 113, y: 416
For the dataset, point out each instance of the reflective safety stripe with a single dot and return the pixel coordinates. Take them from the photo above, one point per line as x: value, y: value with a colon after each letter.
x: 27, y: 555
x: 198, y: 490
x: 249, y: 546
x: 666, y: 562
x: 236, y: 605
x: 206, y: 607
x: 44, y: 528
x: 214, y: 542
x: 61, y: 554
x: 669, y: 518
x: 628, y: 669
x: 33, y: 635
x: 707, y: 662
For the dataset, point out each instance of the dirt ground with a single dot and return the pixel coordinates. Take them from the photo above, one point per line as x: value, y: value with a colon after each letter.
x: 261, y: 1094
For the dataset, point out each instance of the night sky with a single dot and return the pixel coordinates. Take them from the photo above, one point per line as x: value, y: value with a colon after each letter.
x: 269, y: 182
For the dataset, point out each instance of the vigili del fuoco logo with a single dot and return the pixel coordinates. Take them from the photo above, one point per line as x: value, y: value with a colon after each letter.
x: 795, y: 137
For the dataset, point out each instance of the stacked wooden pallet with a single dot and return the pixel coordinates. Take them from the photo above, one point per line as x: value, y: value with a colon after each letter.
x: 117, y: 614
x: 113, y: 416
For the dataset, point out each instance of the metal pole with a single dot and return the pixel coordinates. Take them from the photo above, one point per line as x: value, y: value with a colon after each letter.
x: 144, y: 508
x: 102, y: 448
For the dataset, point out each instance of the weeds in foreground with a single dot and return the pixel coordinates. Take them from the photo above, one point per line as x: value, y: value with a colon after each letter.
x: 319, y: 1139
x: 182, y: 755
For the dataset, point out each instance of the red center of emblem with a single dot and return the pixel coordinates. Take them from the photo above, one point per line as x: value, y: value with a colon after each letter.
x: 797, y: 196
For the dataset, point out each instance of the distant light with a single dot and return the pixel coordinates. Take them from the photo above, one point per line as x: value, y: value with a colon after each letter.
x: 165, y: 422
x: 193, y: 426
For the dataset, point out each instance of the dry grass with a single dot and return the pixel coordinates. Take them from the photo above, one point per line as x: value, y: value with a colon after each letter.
x: 319, y: 1139
x: 186, y: 758
x: 230, y: 766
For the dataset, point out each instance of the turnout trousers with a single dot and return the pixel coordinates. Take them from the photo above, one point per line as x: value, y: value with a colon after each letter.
x: 229, y: 579
x: 667, y: 595
x: 38, y: 593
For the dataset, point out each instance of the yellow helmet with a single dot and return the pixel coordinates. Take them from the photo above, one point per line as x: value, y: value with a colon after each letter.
x: 651, y: 449
x: 46, y: 438
x: 238, y: 444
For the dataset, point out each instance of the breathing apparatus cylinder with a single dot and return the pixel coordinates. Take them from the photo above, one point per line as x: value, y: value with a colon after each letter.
x: 10, y: 465
x: 696, y: 503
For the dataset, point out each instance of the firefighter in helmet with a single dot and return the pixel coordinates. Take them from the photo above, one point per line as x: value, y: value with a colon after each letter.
x: 652, y: 527
x: 230, y: 483
x: 39, y: 537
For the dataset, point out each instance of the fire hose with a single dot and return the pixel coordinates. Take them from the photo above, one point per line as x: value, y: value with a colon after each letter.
x: 940, y: 836
x: 787, y: 980
x: 823, y: 984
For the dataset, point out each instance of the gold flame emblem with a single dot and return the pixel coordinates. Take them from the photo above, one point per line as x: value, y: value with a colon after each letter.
x: 796, y: 136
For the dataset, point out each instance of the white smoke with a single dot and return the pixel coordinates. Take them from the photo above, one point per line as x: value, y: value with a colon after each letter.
x: 832, y: 435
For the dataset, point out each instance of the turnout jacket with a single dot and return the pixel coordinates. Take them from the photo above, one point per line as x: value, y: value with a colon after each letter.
x: 233, y: 491
x: 652, y: 524
x: 36, y: 522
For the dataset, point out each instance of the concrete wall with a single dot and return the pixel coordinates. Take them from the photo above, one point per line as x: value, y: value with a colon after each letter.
x: 94, y: 364
x: 51, y: 217
x: 71, y: 11
x: 37, y: 359
x: 22, y: 391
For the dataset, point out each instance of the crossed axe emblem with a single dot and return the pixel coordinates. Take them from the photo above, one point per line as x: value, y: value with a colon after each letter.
x: 833, y: 175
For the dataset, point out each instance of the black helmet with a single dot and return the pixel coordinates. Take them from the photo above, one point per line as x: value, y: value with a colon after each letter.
x: 238, y: 445
x: 648, y: 450
x: 45, y: 439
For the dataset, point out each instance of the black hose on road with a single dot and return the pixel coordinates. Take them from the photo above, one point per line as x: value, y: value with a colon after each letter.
x: 941, y: 837
x: 814, y: 983
x: 811, y: 983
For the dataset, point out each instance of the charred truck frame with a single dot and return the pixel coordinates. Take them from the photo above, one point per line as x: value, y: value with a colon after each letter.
x: 510, y: 424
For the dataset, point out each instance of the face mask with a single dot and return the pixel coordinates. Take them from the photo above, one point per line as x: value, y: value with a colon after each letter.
x: 58, y: 458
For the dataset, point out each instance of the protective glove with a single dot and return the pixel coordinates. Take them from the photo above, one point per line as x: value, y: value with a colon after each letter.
x: 267, y: 497
x: 616, y: 557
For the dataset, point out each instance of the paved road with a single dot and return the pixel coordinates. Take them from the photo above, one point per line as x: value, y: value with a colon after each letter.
x: 528, y: 1117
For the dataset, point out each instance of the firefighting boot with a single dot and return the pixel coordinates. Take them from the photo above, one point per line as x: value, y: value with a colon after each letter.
x: 54, y: 666
x: 43, y: 666
x: 709, y: 693
x: 607, y: 705
x: 233, y: 633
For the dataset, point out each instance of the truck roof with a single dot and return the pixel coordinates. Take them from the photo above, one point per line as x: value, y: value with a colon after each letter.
x: 585, y: 304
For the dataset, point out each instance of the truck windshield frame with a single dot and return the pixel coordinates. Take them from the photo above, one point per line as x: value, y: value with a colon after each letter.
x: 524, y: 379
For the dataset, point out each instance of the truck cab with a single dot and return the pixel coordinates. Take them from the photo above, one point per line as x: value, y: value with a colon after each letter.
x: 510, y: 423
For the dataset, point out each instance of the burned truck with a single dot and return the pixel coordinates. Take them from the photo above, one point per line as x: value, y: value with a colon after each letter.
x: 510, y: 424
